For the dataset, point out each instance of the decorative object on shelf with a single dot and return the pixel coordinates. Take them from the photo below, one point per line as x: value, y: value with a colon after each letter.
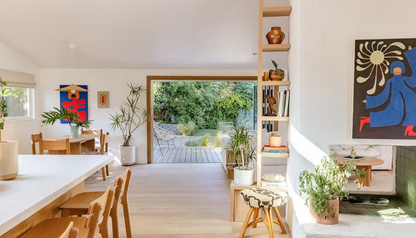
x: 244, y: 153
x: 74, y: 98
x: 130, y: 118
x: 353, y: 154
x: 270, y: 109
x: 275, y: 140
x: 103, y: 99
x: 276, y: 74
x: 273, y: 177
x: 9, y: 162
x: 325, y: 188
x: 384, y: 107
x: 266, y: 76
x: 72, y: 118
x: 275, y: 36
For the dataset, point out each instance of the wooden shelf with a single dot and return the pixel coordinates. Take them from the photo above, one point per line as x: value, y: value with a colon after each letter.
x: 275, y: 155
x: 274, y: 118
x: 274, y: 83
x: 276, y: 48
x: 277, y: 11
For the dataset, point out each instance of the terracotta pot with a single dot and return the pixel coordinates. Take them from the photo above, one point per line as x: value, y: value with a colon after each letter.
x: 329, y: 218
x: 275, y: 36
x: 274, y: 76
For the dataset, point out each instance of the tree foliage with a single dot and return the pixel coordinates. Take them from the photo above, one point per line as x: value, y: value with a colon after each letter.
x: 205, y: 103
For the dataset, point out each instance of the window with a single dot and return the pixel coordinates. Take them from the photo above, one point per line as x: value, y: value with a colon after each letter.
x: 19, y: 103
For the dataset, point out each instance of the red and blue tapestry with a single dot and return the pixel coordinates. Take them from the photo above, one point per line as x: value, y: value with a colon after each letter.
x: 75, y: 103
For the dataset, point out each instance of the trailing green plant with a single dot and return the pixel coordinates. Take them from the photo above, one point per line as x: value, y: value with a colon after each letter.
x: 3, y: 105
x: 205, y: 141
x: 63, y: 114
x: 240, y: 147
x: 276, y: 66
x: 131, y: 115
x: 191, y: 143
x: 326, y: 184
x: 187, y: 129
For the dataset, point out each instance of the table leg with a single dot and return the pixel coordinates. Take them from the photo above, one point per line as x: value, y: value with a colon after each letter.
x: 75, y: 148
x: 367, y: 173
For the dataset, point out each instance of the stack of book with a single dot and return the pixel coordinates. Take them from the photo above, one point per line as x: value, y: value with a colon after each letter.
x: 283, y: 99
x: 274, y: 149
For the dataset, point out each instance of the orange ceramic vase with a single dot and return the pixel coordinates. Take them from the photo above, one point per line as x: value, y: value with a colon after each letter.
x: 275, y: 36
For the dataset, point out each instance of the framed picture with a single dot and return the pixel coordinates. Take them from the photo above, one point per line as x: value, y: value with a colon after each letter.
x: 103, y: 99
x: 75, y: 99
x: 385, y: 89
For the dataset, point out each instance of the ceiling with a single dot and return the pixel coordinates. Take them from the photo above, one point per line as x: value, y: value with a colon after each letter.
x: 146, y: 34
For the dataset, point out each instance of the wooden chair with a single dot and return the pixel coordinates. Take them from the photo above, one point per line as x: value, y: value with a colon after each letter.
x: 99, y: 133
x: 70, y: 232
x: 35, y: 138
x: 78, y: 205
x: 60, y: 145
x: 87, y: 225
x: 104, y: 140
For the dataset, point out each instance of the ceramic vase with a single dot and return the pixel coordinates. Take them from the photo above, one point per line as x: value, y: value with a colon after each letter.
x: 274, y: 76
x: 73, y: 131
x: 243, y: 177
x: 128, y: 155
x: 9, y: 160
x: 330, y: 217
x: 275, y: 36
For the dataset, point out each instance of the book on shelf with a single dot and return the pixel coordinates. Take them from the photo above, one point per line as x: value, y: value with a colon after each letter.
x: 268, y: 147
x: 287, y: 98
x: 275, y: 151
x: 281, y: 104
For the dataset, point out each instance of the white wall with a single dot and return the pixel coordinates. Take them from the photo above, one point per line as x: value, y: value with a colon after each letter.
x: 323, y: 34
x: 20, y: 130
x: 113, y: 80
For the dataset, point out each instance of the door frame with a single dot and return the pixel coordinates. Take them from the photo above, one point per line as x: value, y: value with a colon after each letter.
x: 149, y: 98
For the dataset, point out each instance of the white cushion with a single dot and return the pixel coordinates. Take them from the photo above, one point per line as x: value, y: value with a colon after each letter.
x: 273, y: 177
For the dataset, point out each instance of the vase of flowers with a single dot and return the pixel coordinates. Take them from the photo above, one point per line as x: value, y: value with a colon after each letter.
x: 63, y: 114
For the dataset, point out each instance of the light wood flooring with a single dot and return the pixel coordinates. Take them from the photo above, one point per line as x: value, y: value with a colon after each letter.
x: 187, y: 200
x: 185, y: 154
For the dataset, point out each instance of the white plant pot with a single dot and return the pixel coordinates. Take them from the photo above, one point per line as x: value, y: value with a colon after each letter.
x: 9, y: 161
x: 243, y: 177
x: 73, y: 131
x: 128, y: 155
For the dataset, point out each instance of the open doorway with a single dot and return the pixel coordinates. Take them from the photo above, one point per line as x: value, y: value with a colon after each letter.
x: 192, y: 114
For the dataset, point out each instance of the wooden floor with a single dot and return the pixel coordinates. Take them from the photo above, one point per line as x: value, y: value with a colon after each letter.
x: 187, y: 154
x: 188, y: 200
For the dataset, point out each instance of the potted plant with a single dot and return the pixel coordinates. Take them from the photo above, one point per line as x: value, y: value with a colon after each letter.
x: 63, y: 114
x: 326, y: 188
x: 128, y: 120
x: 9, y: 161
x: 244, y: 153
x: 276, y: 74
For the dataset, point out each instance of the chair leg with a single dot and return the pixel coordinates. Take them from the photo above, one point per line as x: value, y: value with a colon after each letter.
x: 256, y: 215
x: 127, y: 218
x: 267, y: 223
x: 103, y: 173
x: 279, y: 219
x: 106, y: 169
x: 269, y: 210
x: 245, y: 224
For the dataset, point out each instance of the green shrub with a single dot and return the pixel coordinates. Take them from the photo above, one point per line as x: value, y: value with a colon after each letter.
x: 218, y: 138
x: 205, y: 141
x: 192, y: 143
x: 187, y: 129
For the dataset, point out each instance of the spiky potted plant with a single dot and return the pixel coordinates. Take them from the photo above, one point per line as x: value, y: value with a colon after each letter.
x: 63, y: 114
x: 276, y: 74
x: 9, y: 164
x: 130, y: 118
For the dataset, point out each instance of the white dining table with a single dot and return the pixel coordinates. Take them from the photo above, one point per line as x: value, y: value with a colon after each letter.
x: 43, y: 182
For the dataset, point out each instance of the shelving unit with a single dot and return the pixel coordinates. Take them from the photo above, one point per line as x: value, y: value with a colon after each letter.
x: 268, y: 12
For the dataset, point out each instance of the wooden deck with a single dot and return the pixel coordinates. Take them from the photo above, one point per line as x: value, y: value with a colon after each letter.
x: 187, y: 155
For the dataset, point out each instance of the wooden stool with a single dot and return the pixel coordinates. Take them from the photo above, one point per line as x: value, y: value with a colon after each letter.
x: 266, y: 199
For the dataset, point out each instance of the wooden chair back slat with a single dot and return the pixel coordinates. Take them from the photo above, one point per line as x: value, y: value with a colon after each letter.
x: 54, y: 145
x: 95, y: 132
x: 35, y: 138
x: 97, y: 210
x: 70, y: 232
x: 106, y: 141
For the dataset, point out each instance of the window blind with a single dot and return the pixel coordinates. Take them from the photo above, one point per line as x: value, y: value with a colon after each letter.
x: 18, y: 79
